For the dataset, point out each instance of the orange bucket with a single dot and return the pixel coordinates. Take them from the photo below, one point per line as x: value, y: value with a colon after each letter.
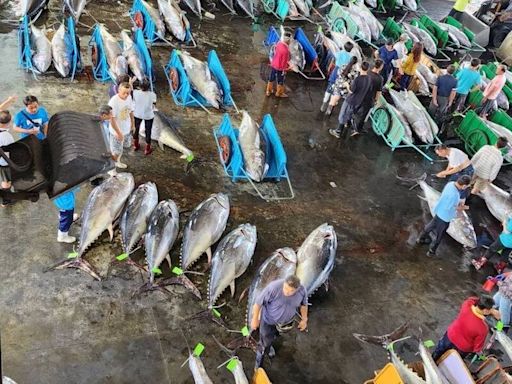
x: 489, y: 284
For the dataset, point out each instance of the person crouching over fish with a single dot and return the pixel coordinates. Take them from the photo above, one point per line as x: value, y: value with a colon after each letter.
x: 445, y: 211
x: 277, y: 306
x: 467, y: 333
x: 279, y: 66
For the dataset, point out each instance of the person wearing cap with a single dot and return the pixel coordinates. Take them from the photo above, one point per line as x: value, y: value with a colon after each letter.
x: 279, y: 66
x: 387, y: 54
x: 443, y: 94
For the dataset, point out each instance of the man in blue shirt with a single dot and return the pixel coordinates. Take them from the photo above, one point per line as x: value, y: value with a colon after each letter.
x: 33, y: 120
x: 444, y: 212
x: 467, y: 78
x: 387, y: 54
x: 503, y: 243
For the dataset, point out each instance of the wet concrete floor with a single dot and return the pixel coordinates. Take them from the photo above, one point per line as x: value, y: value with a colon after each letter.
x: 63, y: 327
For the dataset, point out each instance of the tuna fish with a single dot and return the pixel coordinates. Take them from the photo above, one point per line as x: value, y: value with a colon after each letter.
x: 134, y: 221
x: 315, y: 258
x: 195, y: 364
x: 375, y: 26
x: 174, y: 18
x: 432, y: 373
x: 423, y: 87
x: 328, y: 43
x: 75, y: 7
x: 424, y: 37
x: 248, y: 7
x: 430, y: 76
x: 297, y: 58
x: 302, y: 7
x: 407, y: 128
x: 498, y: 201
x: 238, y: 372
x: 166, y: 134
x: 60, y: 52
x: 42, y: 57
x: 457, y: 33
x: 115, y: 59
x: 430, y: 121
x: 252, y: 145
x: 160, y: 236
x: 201, y: 79
x: 31, y: 8
x: 204, y: 228
x: 102, y: 208
x: 414, y: 116
x: 362, y: 24
x: 505, y: 342
x: 461, y: 228
x: 230, y: 260
x: 282, y: 263
x: 411, y: 4
x: 195, y: 6
x: 131, y: 53
x: 155, y: 17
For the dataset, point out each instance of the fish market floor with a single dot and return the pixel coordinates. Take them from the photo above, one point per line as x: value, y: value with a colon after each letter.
x: 63, y: 327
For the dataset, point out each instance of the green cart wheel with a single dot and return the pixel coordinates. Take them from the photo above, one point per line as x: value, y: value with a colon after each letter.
x: 381, y: 121
x: 476, y: 140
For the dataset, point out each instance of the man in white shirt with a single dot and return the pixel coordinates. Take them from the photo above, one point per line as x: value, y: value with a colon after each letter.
x: 458, y: 163
x: 144, y: 104
x: 122, y: 122
x: 487, y: 163
x: 5, y: 139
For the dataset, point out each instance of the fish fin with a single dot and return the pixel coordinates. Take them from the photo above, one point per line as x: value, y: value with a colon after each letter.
x: 111, y: 231
x: 77, y: 263
x: 184, y: 281
x: 209, y: 254
x: 422, y: 197
x: 242, y: 295
x: 232, y: 288
x: 168, y: 258
x: 160, y: 145
x: 208, y: 314
x: 326, y: 285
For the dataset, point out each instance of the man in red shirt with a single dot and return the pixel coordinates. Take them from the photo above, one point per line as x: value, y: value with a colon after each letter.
x: 467, y: 333
x: 279, y: 66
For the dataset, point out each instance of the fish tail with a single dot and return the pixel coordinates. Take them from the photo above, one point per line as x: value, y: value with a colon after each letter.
x: 383, y: 340
x: 185, y: 282
x: 77, y: 263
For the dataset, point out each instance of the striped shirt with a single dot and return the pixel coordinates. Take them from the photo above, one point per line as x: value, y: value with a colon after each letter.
x: 487, y: 162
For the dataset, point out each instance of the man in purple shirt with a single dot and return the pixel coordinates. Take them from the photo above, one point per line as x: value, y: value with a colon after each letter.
x: 277, y: 306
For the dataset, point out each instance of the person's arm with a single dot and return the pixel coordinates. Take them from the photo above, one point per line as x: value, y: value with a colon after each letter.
x: 453, y: 93
x: 117, y: 131
x: 434, y: 95
x: 303, y: 324
x: 7, y: 102
x: 132, y: 122
x: 17, y: 128
x: 377, y: 95
x: 255, y: 321
x: 451, y: 170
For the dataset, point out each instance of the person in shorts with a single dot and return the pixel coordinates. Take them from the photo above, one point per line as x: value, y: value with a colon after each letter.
x: 122, y: 122
x: 5, y: 139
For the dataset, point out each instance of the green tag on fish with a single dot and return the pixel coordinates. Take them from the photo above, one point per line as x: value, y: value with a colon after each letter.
x: 177, y: 271
x: 428, y: 344
x: 232, y: 365
x: 482, y: 357
x: 156, y: 271
x: 499, y: 326
x: 72, y: 255
x: 198, y: 349
x: 215, y: 312
x: 190, y: 158
x: 245, y: 331
x: 122, y: 257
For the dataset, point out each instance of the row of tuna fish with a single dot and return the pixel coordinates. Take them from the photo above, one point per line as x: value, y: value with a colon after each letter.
x: 432, y: 373
x: 413, y: 116
x: 33, y: 8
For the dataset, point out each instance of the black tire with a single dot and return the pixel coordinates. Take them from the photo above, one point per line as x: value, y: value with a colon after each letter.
x: 499, y: 34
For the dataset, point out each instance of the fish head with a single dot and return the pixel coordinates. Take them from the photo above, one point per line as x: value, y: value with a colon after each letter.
x: 125, y: 179
x: 287, y: 254
x: 256, y: 165
x: 248, y: 231
x: 222, y: 199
